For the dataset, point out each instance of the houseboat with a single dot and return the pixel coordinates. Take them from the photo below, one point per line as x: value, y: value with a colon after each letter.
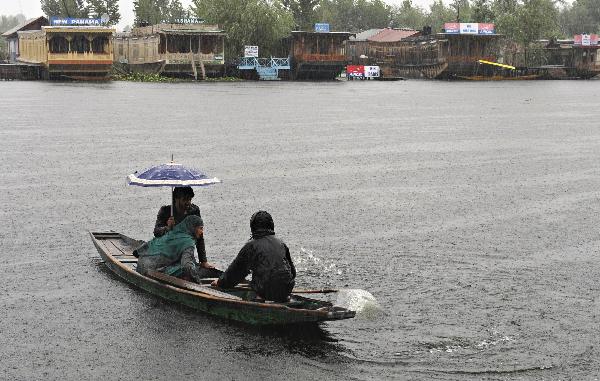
x: 69, y: 49
x: 461, y: 51
x: 180, y: 50
x: 317, y: 55
x: 573, y: 59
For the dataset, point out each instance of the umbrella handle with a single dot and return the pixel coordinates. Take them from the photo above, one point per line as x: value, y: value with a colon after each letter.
x: 172, y: 201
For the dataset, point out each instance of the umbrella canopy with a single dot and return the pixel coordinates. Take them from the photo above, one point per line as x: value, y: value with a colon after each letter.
x: 171, y: 175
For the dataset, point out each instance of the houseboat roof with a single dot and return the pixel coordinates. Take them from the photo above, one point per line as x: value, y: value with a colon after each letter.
x: 392, y: 35
x: 13, y: 32
x: 299, y: 32
x: 191, y: 31
x: 364, y: 35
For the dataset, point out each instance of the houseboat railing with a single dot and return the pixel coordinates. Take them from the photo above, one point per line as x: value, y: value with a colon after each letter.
x: 320, y: 57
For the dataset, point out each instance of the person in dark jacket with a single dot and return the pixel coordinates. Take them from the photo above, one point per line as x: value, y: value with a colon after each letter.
x: 182, y: 207
x: 267, y: 257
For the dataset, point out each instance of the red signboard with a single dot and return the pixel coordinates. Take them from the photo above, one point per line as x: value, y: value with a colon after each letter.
x: 452, y: 27
x: 486, y: 28
x: 355, y: 71
x: 585, y: 39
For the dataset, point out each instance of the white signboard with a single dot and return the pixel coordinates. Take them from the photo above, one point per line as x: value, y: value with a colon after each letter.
x: 469, y: 28
x: 250, y: 51
x: 586, y: 40
x: 371, y: 71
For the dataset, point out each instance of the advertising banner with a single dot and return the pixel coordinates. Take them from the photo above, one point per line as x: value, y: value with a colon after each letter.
x: 486, y: 28
x: 355, y: 71
x: 469, y: 28
x: 452, y: 27
x: 250, y: 51
x: 66, y: 21
x: 585, y: 39
x: 322, y: 27
x: 371, y: 71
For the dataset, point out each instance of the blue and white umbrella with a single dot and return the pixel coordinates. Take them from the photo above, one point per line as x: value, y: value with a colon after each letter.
x: 171, y: 175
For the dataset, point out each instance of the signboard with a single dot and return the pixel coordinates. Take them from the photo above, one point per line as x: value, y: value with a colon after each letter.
x: 186, y: 20
x: 452, y: 27
x: 469, y: 28
x: 250, y: 51
x: 355, y: 71
x: 66, y: 21
x: 486, y: 28
x: 585, y: 39
x: 322, y: 27
x: 371, y: 72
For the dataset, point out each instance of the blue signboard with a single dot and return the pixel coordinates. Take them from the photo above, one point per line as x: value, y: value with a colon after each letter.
x: 65, y: 21
x: 322, y: 27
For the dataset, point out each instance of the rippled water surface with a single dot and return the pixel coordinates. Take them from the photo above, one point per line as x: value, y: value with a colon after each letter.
x: 461, y: 220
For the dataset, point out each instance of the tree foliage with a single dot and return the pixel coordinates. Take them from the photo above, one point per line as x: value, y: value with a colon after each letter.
x: 157, y: 11
x: 408, y: 16
x: 355, y: 15
x: 65, y: 8
x: 263, y: 23
x: 109, y: 7
x: 7, y: 23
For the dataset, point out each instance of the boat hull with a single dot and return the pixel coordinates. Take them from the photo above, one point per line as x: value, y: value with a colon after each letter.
x: 249, y: 312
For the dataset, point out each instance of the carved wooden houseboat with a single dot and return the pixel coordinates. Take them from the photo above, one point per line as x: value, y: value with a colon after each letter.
x: 181, y: 50
x: 317, y: 55
x: 68, y: 52
x: 573, y: 59
x: 462, y: 51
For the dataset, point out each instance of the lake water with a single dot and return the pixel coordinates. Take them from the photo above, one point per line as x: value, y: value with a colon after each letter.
x: 461, y: 219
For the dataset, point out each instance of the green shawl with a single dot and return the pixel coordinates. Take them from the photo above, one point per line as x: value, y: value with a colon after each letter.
x: 172, y: 244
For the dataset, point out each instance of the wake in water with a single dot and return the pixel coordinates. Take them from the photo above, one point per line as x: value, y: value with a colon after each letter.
x: 361, y: 301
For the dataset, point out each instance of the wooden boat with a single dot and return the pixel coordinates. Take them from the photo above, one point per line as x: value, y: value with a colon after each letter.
x: 236, y: 304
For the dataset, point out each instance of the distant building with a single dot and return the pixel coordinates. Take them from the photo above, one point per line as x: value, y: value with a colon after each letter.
x: 12, y: 37
x: 187, y: 49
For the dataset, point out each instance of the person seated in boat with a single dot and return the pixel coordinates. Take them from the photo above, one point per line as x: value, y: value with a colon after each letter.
x: 182, y: 207
x: 267, y: 257
x: 173, y: 252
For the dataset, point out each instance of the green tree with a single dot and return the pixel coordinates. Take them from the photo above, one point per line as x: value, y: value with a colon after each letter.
x: 263, y: 23
x: 151, y: 11
x: 481, y: 11
x: 408, y: 16
x: 7, y: 23
x: 462, y: 8
x: 109, y: 7
x: 355, y: 15
x: 65, y: 8
x: 439, y: 14
x: 304, y: 12
x: 583, y: 16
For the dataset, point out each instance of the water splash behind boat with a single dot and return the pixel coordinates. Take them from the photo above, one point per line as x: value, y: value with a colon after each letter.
x: 361, y: 301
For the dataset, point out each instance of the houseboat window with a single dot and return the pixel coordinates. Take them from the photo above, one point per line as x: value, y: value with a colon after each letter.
x: 99, y: 43
x: 323, y: 46
x: 162, y: 44
x: 178, y: 44
x: 120, y: 48
x: 208, y: 44
x: 59, y: 44
x: 80, y: 44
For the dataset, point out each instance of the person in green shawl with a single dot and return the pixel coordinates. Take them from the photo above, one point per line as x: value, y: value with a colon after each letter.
x: 173, y: 253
